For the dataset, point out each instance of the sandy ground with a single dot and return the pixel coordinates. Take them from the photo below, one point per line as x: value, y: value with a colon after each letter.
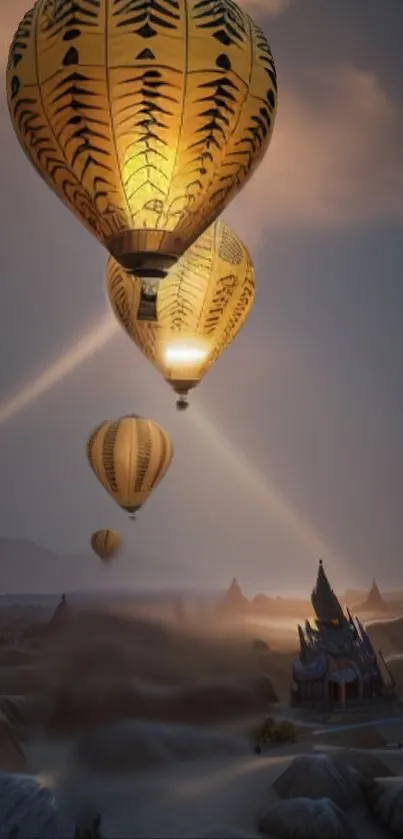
x: 189, y: 798
x: 192, y: 797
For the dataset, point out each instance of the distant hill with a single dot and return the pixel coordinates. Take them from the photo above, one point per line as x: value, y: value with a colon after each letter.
x: 352, y: 595
x: 28, y: 569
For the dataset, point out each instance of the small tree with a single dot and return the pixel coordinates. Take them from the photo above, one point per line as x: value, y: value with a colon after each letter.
x: 271, y: 731
x: 285, y: 732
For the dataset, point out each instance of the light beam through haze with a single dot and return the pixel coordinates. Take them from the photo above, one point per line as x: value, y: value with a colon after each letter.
x: 96, y: 339
x: 81, y: 351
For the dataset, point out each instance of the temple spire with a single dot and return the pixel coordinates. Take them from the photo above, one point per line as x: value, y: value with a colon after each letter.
x: 234, y: 600
x: 374, y: 597
x: 302, y: 640
x: 374, y: 601
x: 324, y: 601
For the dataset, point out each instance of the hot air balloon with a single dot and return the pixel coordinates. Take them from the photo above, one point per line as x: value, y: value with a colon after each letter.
x: 129, y: 456
x: 202, y: 304
x: 106, y: 544
x: 145, y: 117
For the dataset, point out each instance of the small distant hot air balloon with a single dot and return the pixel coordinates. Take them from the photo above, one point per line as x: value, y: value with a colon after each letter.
x: 146, y: 119
x: 106, y: 544
x: 202, y: 304
x: 130, y: 457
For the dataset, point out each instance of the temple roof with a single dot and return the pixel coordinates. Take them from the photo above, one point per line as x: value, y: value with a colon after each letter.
x: 324, y: 601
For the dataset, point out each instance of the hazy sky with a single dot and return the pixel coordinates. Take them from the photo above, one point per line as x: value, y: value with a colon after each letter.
x: 293, y: 446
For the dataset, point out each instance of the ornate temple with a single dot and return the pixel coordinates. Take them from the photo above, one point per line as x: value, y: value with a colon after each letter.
x: 337, y: 665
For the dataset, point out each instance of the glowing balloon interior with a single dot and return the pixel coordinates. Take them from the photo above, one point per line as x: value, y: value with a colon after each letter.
x: 145, y: 117
x: 184, y: 354
x: 130, y: 457
x: 202, y: 304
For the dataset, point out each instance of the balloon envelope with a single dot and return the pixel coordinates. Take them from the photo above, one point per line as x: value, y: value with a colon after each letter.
x: 106, y: 544
x: 129, y: 456
x: 146, y: 119
x: 202, y: 304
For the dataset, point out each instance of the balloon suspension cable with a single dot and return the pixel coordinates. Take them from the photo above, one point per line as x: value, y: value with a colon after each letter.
x: 182, y: 403
x: 148, y: 301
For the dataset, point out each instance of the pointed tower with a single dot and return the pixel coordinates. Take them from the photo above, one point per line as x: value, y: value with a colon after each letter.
x: 375, y: 600
x: 324, y: 601
x: 336, y: 665
x: 60, y: 616
x: 234, y: 600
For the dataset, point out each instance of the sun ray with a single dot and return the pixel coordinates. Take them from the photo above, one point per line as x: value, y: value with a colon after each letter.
x: 260, y: 486
x: 82, y: 350
x: 94, y: 340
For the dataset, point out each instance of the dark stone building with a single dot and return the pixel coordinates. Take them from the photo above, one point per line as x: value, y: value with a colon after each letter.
x: 337, y: 665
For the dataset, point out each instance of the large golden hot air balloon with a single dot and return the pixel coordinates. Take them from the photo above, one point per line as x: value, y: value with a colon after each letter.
x: 202, y: 304
x: 129, y: 456
x: 106, y: 544
x: 146, y: 117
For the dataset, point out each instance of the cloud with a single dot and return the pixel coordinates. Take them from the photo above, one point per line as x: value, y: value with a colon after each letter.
x: 335, y: 157
x: 12, y: 12
x: 266, y: 7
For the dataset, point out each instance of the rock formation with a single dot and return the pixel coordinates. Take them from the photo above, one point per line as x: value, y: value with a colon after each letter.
x: 28, y: 808
x: 12, y: 758
x: 305, y: 818
x: 317, y: 776
x: 385, y: 800
x: 339, y: 777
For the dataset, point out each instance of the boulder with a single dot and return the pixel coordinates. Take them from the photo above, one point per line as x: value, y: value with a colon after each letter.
x: 358, y: 738
x: 28, y: 809
x: 12, y: 758
x: 306, y: 818
x: 367, y: 765
x: 384, y: 797
x: 318, y: 777
x: 130, y: 745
